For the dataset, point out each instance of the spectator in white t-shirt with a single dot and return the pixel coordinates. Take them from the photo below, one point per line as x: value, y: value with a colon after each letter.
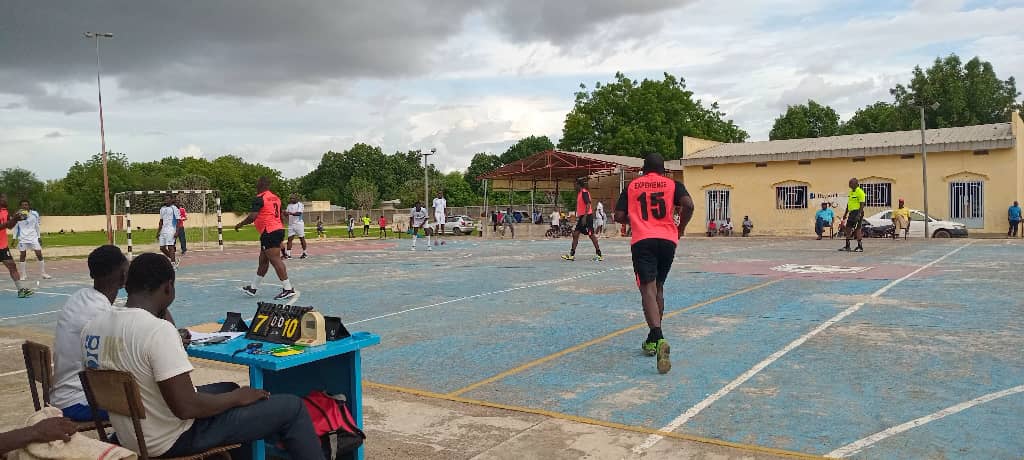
x: 108, y: 268
x: 183, y: 420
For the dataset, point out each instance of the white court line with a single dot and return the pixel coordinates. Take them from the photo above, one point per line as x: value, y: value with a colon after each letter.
x: 542, y: 283
x: 29, y: 315
x: 693, y: 411
x: 857, y: 446
x: 5, y: 374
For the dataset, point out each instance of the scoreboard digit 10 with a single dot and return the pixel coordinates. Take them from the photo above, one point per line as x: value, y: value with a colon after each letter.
x: 277, y: 323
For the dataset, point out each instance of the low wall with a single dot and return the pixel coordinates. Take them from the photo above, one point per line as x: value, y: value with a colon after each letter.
x: 54, y: 224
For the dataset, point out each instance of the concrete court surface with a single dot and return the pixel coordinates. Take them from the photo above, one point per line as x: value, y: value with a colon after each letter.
x: 909, y: 350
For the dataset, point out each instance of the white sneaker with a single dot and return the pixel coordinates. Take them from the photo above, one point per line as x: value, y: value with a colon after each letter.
x: 46, y: 276
x: 412, y: 248
x: 430, y: 248
x: 24, y: 277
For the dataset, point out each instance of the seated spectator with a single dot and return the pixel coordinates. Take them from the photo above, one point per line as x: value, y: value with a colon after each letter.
x: 183, y: 420
x: 725, y: 228
x: 712, y: 228
x: 748, y: 225
x: 108, y: 268
x: 900, y: 219
x: 823, y: 218
x: 46, y: 430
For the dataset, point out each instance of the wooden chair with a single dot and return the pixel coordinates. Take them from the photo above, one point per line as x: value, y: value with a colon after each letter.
x: 117, y: 393
x: 39, y: 367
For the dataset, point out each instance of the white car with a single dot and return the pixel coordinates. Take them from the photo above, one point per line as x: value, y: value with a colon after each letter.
x: 459, y: 225
x: 938, y: 228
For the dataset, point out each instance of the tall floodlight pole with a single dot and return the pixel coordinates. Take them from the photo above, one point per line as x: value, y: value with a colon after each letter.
x: 426, y: 180
x: 103, y: 142
x: 924, y: 167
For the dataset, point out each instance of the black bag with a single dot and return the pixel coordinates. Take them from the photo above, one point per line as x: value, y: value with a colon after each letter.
x: 343, y: 436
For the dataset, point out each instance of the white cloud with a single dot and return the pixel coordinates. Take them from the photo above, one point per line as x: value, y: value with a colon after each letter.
x: 190, y: 150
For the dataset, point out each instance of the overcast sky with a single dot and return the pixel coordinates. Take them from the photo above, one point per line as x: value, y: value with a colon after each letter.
x: 282, y: 82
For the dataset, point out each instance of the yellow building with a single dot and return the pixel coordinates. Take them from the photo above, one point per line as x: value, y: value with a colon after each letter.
x: 974, y: 174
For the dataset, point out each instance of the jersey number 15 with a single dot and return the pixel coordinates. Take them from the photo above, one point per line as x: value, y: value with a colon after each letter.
x: 656, y: 207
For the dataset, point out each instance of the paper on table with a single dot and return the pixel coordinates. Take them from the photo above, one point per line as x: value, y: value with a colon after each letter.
x: 200, y: 337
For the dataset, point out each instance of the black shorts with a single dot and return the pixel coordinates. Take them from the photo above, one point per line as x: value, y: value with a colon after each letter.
x: 5, y: 254
x: 652, y: 259
x: 854, y: 221
x: 271, y: 240
x: 585, y: 224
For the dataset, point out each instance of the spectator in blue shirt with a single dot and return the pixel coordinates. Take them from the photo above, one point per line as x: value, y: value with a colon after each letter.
x: 823, y: 218
x: 1013, y: 214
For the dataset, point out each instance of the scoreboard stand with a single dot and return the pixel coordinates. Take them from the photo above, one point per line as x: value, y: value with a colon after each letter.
x: 335, y: 367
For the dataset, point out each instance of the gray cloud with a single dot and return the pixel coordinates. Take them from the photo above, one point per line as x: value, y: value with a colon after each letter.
x: 255, y: 47
x: 261, y: 47
x: 53, y: 135
x: 561, y: 22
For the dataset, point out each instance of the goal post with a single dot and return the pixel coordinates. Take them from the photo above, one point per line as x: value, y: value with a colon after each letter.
x: 201, y: 206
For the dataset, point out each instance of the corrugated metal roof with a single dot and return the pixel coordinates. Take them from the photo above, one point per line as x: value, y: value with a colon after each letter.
x: 992, y: 136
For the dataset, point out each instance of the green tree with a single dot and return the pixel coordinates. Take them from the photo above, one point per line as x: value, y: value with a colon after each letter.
x: 85, y: 181
x: 879, y: 117
x: 20, y: 184
x: 632, y: 118
x: 388, y: 173
x: 482, y: 163
x: 457, y: 190
x: 363, y: 192
x: 805, y: 121
x: 190, y: 182
x: 525, y: 147
x: 968, y: 94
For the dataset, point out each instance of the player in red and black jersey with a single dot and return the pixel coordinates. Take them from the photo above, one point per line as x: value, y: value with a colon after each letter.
x: 648, y: 206
x: 266, y: 214
x: 584, y: 221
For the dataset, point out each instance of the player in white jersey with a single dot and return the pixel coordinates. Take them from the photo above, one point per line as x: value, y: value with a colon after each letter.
x: 417, y: 220
x: 27, y: 232
x: 296, y: 226
x: 440, y: 214
x: 168, y: 229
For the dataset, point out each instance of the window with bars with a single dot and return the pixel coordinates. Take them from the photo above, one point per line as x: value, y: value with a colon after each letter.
x: 791, y: 197
x: 878, y: 194
x: 718, y: 205
x: 967, y: 203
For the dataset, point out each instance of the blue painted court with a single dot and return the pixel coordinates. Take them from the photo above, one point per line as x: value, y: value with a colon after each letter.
x: 910, y: 350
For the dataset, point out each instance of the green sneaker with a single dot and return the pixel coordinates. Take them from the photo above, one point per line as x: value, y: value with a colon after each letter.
x: 568, y: 257
x: 664, y: 365
x: 24, y: 293
x: 649, y: 348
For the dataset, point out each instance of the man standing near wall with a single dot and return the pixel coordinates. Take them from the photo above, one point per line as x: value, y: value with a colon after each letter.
x: 1013, y: 214
x: 854, y: 215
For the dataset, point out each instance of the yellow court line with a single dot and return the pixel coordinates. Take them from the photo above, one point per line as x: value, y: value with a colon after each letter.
x: 612, y: 335
x: 589, y: 421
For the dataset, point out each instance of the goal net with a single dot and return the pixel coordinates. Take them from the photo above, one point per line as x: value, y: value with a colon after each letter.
x: 140, y: 211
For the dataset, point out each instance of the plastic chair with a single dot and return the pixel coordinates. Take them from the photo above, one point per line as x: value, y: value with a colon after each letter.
x: 117, y: 393
x: 39, y: 367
